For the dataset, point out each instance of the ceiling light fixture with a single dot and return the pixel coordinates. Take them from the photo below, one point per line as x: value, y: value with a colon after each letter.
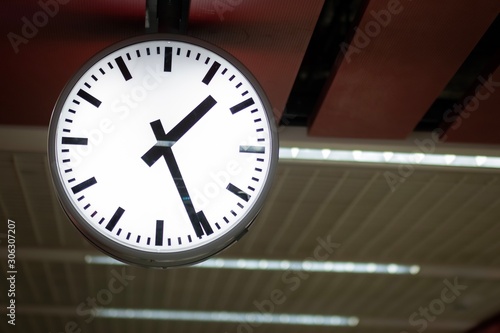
x: 285, y: 265
x: 229, y: 317
x: 387, y: 157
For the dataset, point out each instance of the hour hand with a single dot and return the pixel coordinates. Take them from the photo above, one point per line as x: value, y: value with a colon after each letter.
x: 169, y: 139
x: 192, y: 118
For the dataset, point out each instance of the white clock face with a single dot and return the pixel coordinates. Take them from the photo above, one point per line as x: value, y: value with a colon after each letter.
x: 162, y: 150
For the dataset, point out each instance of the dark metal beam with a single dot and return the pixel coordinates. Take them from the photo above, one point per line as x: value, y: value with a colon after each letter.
x: 167, y: 16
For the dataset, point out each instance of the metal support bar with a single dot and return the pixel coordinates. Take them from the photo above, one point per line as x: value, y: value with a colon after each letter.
x: 167, y: 16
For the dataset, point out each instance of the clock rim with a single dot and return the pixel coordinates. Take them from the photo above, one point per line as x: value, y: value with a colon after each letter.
x: 145, y: 258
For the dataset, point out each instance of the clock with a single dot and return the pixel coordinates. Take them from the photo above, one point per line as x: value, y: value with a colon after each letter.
x: 162, y: 149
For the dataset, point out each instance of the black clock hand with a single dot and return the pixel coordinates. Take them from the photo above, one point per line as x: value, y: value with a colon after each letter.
x: 192, y: 118
x: 197, y: 219
x: 157, y: 151
x: 181, y: 188
x: 163, y: 148
x: 169, y: 139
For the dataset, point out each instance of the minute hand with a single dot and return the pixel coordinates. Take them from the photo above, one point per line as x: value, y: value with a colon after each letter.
x: 183, y: 192
x: 192, y: 118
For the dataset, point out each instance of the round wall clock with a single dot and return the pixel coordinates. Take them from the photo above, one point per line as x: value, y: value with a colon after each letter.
x: 162, y: 149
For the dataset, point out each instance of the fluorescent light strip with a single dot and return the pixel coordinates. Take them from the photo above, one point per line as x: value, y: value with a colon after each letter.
x: 358, y: 156
x: 228, y: 317
x: 310, y: 266
x: 285, y: 265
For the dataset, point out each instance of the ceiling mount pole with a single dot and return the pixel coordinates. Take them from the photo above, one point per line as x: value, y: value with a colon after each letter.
x: 169, y: 16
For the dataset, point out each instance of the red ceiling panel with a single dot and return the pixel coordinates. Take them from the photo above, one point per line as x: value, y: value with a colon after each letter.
x: 269, y: 37
x: 47, y: 44
x: 400, y: 58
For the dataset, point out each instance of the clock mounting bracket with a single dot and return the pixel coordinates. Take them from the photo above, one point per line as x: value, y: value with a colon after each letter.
x: 167, y: 16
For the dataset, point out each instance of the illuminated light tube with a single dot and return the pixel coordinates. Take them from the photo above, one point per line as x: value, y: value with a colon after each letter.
x: 228, y: 317
x: 384, y: 157
x: 310, y: 266
x: 285, y: 265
